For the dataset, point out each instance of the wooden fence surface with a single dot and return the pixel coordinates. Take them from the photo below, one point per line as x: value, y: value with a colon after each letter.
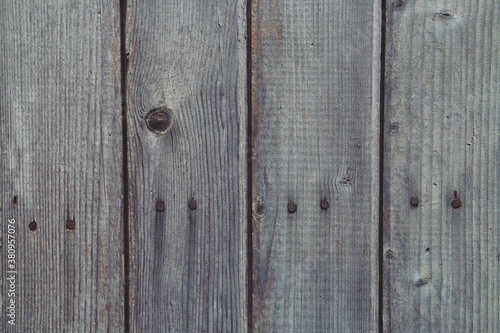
x: 61, y: 161
x: 442, y: 136
x: 188, y: 266
x: 315, y: 141
x: 250, y: 166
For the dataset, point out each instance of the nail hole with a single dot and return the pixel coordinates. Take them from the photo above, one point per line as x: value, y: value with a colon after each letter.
x: 389, y: 254
x: 428, y: 250
x: 414, y: 201
x: 292, y: 207
x: 14, y: 200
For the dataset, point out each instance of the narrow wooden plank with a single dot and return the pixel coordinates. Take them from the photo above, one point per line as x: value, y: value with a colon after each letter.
x: 61, y: 156
x: 315, y: 124
x: 188, y: 269
x: 442, y: 134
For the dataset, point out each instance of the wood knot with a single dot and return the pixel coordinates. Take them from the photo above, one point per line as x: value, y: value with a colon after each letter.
x: 421, y: 282
x: 160, y: 120
x: 399, y: 4
x: 445, y: 15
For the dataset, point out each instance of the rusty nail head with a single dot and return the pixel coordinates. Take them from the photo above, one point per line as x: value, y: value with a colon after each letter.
x: 414, y: 201
x: 70, y: 224
x: 160, y: 206
x: 292, y: 207
x: 160, y: 120
x: 192, y: 204
x: 456, y: 202
x: 32, y: 226
x: 324, y: 204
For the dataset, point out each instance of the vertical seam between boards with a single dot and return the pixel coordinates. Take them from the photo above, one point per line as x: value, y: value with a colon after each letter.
x: 381, y: 165
x: 249, y: 98
x: 125, y: 175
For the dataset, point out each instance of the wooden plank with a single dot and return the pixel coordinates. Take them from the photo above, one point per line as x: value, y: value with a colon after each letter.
x: 315, y: 128
x: 188, y: 268
x: 442, y: 134
x: 61, y: 156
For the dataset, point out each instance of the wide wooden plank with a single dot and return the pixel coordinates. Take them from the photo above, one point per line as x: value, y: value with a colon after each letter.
x: 315, y: 128
x: 188, y: 266
x: 442, y: 134
x: 61, y: 156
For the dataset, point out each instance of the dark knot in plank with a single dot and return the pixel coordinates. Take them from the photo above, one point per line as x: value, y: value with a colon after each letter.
x: 160, y: 120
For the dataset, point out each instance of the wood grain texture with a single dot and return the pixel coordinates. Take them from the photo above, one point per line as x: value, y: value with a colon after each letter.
x: 315, y: 128
x: 442, y: 130
x: 188, y: 267
x: 61, y: 156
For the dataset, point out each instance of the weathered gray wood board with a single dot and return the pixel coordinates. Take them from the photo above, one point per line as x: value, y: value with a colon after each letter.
x: 442, y: 130
x: 61, y: 156
x: 188, y: 267
x: 315, y: 127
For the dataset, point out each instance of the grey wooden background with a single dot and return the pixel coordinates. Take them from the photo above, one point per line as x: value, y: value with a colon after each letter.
x: 279, y: 201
